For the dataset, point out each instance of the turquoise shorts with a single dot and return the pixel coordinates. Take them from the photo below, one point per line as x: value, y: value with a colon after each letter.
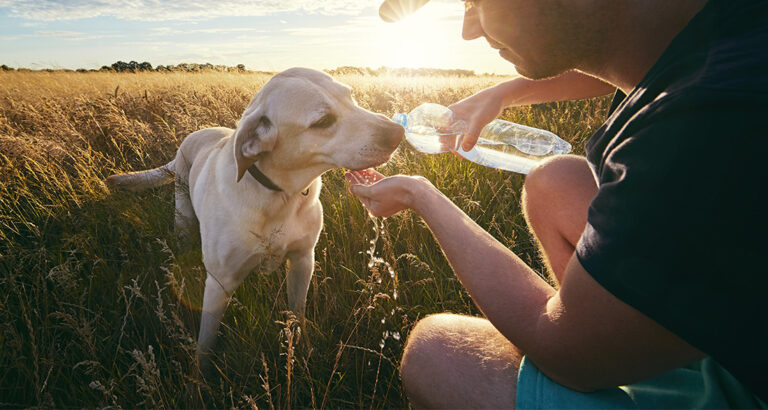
x: 700, y: 385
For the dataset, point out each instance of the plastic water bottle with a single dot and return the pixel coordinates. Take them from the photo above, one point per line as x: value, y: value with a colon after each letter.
x: 431, y: 129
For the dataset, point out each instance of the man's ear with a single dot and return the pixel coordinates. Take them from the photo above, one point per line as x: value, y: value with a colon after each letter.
x: 255, y: 135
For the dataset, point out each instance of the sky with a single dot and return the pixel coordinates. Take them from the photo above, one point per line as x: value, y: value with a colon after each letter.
x: 266, y: 35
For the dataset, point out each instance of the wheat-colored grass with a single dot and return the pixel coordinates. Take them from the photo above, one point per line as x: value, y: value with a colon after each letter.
x: 99, y: 309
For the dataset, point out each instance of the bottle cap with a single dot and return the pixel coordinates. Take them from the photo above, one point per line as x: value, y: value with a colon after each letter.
x: 401, y: 119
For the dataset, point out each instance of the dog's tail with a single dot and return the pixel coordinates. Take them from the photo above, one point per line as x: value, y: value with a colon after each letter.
x: 140, y: 180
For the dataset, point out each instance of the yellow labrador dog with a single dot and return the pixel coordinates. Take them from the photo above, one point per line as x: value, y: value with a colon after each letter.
x: 254, y: 190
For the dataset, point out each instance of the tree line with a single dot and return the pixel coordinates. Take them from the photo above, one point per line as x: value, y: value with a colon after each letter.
x: 136, y: 67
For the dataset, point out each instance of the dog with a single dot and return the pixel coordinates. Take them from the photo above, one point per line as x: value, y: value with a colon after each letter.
x: 253, y: 191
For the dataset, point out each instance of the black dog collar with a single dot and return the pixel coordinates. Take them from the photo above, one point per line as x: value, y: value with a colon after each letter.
x: 264, y: 180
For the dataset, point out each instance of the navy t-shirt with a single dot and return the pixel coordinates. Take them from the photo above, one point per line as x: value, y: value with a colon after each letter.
x: 679, y: 226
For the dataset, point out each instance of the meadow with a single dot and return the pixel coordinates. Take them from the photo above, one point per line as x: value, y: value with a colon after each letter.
x: 100, y: 308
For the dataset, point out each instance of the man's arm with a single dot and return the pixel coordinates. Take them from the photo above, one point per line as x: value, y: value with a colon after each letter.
x: 571, y: 85
x: 481, y: 108
x: 580, y: 336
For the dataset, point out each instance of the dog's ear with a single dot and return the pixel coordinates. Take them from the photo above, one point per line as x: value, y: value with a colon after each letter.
x: 255, y: 135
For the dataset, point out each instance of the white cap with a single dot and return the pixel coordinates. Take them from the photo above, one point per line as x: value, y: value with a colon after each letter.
x: 393, y: 10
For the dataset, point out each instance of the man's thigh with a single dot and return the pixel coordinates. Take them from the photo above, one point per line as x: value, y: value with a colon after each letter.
x: 459, y: 362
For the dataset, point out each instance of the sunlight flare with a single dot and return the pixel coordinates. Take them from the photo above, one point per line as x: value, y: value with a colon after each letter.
x: 416, y: 41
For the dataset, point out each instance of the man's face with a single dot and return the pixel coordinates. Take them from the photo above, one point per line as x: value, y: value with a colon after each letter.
x: 531, y: 34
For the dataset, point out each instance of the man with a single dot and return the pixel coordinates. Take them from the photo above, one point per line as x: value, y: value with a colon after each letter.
x: 656, y: 238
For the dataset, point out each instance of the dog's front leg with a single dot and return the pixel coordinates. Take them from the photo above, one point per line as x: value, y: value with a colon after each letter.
x: 301, y: 264
x: 215, y: 301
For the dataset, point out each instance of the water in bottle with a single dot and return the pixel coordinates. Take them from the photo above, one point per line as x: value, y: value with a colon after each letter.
x: 431, y: 129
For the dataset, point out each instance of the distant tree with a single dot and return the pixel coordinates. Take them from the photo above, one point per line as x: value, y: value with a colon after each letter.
x: 133, y: 67
x: 119, y: 66
x: 6, y: 68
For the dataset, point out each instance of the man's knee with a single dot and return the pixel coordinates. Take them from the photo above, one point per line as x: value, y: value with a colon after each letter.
x: 556, y: 182
x: 427, y: 355
x: 458, y: 360
x: 551, y: 175
x: 420, y: 348
x: 439, y: 341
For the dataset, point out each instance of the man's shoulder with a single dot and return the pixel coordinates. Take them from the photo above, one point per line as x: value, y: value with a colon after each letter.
x: 725, y: 82
x: 729, y: 53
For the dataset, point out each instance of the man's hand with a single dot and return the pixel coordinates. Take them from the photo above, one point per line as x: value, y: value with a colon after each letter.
x: 477, y: 111
x: 383, y: 196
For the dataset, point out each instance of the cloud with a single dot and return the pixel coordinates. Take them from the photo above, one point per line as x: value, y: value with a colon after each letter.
x: 56, y: 33
x: 70, y: 35
x: 163, y: 10
x: 168, y: 31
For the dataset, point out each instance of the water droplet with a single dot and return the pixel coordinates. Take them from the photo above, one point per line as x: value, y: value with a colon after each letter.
x: 381, y: 343
x: 396, y: 335
x: 383, y: 320
x: 394, y: 294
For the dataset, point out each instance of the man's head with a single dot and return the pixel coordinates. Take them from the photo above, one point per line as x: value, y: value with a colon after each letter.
x: 542, y: 38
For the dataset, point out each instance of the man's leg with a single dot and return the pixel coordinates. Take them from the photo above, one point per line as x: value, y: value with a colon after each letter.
x: 463, y: 362
x: 556, y: 197
x: 453, y: 361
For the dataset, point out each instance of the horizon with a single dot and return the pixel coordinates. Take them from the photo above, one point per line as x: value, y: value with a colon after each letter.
x: 264, y: 35
x: 202, y: 67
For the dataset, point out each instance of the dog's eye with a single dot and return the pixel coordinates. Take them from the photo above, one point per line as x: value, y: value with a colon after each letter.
x: 324, y: 122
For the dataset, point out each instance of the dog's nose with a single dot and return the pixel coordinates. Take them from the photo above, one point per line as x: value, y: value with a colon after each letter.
x: 389, y: 134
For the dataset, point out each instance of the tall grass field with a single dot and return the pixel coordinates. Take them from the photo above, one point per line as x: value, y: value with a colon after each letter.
x: 99, y: 307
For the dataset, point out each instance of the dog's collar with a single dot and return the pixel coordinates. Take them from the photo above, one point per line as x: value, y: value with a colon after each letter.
x: 264, y: 180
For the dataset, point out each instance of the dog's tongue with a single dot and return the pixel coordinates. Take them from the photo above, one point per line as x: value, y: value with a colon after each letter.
x: 364, y: 176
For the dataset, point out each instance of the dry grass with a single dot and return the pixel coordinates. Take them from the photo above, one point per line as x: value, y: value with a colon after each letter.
x: 99, y: 309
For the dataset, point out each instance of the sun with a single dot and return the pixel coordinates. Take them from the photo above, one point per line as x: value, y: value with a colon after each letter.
x: 416, y: 41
